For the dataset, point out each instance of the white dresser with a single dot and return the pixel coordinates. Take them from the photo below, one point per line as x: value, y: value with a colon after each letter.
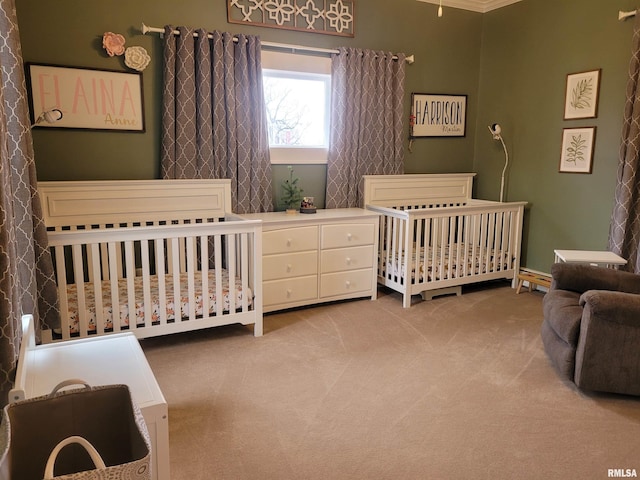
x: 320, y: 257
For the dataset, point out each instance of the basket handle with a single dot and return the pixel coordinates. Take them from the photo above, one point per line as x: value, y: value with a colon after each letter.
x: 67, y: 383
x: 93, y: 453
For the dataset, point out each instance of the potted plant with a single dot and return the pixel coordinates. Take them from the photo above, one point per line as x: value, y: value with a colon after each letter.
x: 291, y: 192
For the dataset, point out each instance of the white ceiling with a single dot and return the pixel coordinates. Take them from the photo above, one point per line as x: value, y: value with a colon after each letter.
x: 481, y: 6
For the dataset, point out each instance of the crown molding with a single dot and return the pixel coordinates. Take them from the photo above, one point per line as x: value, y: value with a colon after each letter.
x: 481, y: 6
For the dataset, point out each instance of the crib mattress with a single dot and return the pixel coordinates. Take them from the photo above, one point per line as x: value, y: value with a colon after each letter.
x: 475, y: 264
x: 139, y: 308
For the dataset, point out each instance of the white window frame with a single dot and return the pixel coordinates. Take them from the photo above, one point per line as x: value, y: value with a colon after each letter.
x: 302, y: 66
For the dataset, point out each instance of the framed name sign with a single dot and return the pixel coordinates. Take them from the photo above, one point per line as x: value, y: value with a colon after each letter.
x: 438, y: 115
x: 87, y: 98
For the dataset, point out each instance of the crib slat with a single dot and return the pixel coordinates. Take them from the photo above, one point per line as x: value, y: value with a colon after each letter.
x: 93, y: 253
x: 491, y: 219
x: 231, y: 266
x: 162, y: 280
x: 61, y: 275
x: 434, y: 249
x: 190, y: 267
x: 204, y: 260
x: 466, y: 242
x: 489, y: 246
x: 407, y: 243
x: 459, y: 245
x: 382, y: 246
x: 102, y: 256
x: 169, y: 258
x: 475, y: 241
x: 114, y: 265
x: 175, y: 267
x: 497, y: 243
x: 388, y: 249
x: 510, y: 241
x: 78, y: 273
x: 452, y: 244
x: 104, y: 261
x: 395, y: 257
x: 146, y: 282
x: 217, y: 251
x: 419, y: 250
x: 183, y: 260
x: 477, y: 257
x: 428, y: 232
x: 402, y: 243
x: 119, y: 257
x: 482, y: 251
x: 444, y: 223
x: 130, y: 269
x: 244, y: 270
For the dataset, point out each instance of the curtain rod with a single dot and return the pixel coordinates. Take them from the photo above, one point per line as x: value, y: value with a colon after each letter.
x: 145, y: 29
x: 622, y: 15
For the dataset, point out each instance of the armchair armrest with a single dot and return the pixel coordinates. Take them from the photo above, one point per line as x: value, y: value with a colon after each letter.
x: 581, y: 278
x: 607, y: 355
x: 614, y: 307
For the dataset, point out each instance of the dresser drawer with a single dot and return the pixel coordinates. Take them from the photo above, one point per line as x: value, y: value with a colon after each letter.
x: 344, y: 283
x: 342, y: 259
x: 347, y: 235
x: 287, y: 265
x: 291, y: 290
x: 290, y: 240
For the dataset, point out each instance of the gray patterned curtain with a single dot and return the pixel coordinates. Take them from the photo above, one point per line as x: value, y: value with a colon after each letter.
x: 213, y: 118
x: 27, y: 283
x: 624, y: 233
x: 367, y: 122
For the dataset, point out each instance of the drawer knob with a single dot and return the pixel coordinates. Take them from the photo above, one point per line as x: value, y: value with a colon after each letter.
x: 288, y: 242
x: 288, y: 267
x: 349, y: 236
x: 348, y: 261
x: 347, y: 284
x: 289, y: 292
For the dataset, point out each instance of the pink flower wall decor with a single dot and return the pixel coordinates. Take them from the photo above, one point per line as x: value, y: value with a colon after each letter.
x: 113, y: 43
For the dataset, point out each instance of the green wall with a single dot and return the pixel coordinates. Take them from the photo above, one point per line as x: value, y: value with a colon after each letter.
x: 511, y: 62
x: 527, y: 51
x: 68, y: 32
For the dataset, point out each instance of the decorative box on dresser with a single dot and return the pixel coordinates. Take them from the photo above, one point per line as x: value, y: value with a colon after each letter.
x: 312, y: 258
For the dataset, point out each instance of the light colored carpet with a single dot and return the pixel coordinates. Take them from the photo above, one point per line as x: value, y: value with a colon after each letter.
x: 453, y: 388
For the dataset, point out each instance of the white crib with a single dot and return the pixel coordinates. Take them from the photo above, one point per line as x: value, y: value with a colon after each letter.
x: 434, y: 237
x: 152, y: 257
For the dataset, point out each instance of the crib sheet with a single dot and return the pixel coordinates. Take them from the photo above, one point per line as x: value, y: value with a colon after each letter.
x: 139, y: 309
x: 475, y: 265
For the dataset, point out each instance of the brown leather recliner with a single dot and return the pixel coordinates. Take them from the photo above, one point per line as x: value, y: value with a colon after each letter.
x: 591, y: 327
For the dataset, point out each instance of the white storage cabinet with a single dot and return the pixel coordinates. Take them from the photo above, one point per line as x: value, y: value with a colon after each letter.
x: 98, y: 360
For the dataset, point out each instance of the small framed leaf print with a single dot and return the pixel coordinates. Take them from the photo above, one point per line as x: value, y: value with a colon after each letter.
x: 577, y: 149
x: 581, y: 97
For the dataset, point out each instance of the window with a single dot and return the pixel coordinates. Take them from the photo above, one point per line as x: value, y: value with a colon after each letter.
x: 297, y: 93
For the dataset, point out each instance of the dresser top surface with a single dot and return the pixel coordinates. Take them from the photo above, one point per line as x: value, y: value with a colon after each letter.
x: 321, y: 216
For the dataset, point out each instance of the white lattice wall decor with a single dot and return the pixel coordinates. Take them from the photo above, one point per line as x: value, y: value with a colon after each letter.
x: 333, y: 17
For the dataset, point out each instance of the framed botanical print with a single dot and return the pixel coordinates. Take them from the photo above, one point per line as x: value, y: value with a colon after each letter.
x: 577, y: 150
x: 581, y: 96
